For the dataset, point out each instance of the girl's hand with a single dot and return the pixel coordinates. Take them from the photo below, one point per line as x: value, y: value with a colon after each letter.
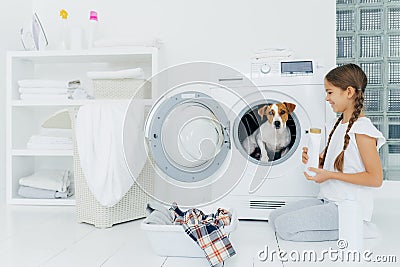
x: 321, y: 175
x: 304, y: 156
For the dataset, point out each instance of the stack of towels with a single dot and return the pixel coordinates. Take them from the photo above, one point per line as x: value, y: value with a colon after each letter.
x: 46, y: 89
x: 59, y: 139
x: 46, y: 184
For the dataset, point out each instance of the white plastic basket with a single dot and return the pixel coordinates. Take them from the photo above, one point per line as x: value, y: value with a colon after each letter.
x: 172, y: 241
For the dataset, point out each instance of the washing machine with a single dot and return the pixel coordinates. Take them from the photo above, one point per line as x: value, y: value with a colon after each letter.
x: 194, y: 136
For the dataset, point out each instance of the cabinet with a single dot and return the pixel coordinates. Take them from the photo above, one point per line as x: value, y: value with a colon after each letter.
x: 24, y: 117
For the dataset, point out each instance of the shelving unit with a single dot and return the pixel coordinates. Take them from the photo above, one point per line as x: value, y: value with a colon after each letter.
x: 24, y: 118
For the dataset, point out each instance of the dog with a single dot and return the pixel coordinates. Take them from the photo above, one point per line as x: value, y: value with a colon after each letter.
x: 272, y: 136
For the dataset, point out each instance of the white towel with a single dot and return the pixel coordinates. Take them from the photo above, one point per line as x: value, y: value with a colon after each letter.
x: 49, y: 83
x: 120, y: 74
x: 99, y: 134
x: 57, y: 180
x: 44, y: 97
x: 43, y: 90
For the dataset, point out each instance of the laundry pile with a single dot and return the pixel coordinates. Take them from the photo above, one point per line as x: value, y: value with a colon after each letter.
x: 46, y: 184
x: 206, y: 230
x: 42, y: 90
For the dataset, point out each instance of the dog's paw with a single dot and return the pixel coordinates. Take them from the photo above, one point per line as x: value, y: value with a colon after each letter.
x: 264, y: 159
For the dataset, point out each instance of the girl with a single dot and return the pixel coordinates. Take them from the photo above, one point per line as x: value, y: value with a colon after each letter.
x: 349, y: 164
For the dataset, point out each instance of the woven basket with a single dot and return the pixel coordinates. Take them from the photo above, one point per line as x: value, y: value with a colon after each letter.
x: 121, y: 88
x: 132, y: 206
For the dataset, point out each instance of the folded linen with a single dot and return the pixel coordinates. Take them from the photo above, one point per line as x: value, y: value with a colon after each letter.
x: 57, y: 180
x: 44, y: 97
x: 43, y: 139
x: 49, y: 83
x: 43, y: 90
x: 49, y: 146
x: 32, y: 192
x: 120, y: 74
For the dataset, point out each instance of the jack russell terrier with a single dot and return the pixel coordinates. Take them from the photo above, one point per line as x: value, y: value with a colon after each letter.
x: 273, y: 135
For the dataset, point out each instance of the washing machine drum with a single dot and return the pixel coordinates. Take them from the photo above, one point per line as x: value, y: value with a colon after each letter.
x: 187, y: 136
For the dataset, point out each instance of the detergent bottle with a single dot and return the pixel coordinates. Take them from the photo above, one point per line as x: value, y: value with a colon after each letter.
x: 314, y: 143
x: 92, y: 30
x: 64, y: 30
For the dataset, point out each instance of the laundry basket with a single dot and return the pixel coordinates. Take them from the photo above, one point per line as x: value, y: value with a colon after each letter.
x: 121, y: 88
x: 132, y: 206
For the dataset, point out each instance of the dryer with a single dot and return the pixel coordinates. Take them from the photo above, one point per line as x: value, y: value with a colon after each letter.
x: 194, y: 134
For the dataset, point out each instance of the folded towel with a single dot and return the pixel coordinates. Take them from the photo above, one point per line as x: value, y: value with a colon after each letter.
x: 42, y: 139
x: 49, y: 83
x: 43, y: 90
x: 44, y: 97
x: 49, y: 146
x: 121, y: 74
x: 158, y: 214
x: 99, y: 136
x: 57, y: 180
x: 32, y: 192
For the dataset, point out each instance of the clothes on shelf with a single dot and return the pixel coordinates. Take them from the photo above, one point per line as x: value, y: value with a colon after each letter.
x: 40, y: 89
x: 46, y: 184
x: 51, y: 138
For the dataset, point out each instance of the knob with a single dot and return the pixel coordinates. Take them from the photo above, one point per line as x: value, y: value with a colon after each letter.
x: 265, y: 68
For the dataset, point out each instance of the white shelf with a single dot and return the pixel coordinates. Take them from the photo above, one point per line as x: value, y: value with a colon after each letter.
x: 31, y: 152
x: 25, y: 117
x: 48, y: 202
x: 30, y: 103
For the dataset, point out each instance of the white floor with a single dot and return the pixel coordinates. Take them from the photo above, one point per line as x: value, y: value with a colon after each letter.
x: 49, y: 236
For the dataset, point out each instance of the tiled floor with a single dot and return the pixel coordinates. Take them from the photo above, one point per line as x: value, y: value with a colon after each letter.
x: 50, y: 236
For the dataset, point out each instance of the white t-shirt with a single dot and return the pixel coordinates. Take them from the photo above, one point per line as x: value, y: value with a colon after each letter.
x: 335, y: 190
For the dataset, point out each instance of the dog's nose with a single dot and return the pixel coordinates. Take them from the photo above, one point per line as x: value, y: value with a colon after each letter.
x: 277, y: 124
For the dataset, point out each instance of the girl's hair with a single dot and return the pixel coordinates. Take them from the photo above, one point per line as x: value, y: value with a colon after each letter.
x: 343, y: 77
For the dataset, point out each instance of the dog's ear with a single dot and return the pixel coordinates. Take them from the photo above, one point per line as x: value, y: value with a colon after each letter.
x: 261, y: 111
x: 290, y: 106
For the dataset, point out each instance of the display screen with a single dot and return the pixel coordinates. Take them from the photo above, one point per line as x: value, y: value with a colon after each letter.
x: 294, y: 67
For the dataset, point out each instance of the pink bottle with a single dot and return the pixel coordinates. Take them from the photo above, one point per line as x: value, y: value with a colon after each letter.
x: 92, y: 30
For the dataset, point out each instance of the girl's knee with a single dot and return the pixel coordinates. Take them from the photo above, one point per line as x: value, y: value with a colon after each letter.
x: 283, y: 227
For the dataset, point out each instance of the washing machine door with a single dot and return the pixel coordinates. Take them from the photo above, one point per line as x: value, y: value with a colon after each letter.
x: 188, y: 136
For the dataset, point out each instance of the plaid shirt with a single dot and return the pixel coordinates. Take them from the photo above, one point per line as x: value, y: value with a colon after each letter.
x: 207, y: 231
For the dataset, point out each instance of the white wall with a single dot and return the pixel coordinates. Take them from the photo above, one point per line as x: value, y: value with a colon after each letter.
x: 14, y: 14
x: 222, y: 31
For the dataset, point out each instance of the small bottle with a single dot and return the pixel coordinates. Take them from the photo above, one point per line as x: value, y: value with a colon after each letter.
x: 314, y: 143
x: 92, y: 30
x: 64, y: 30
x: 350, y: 224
